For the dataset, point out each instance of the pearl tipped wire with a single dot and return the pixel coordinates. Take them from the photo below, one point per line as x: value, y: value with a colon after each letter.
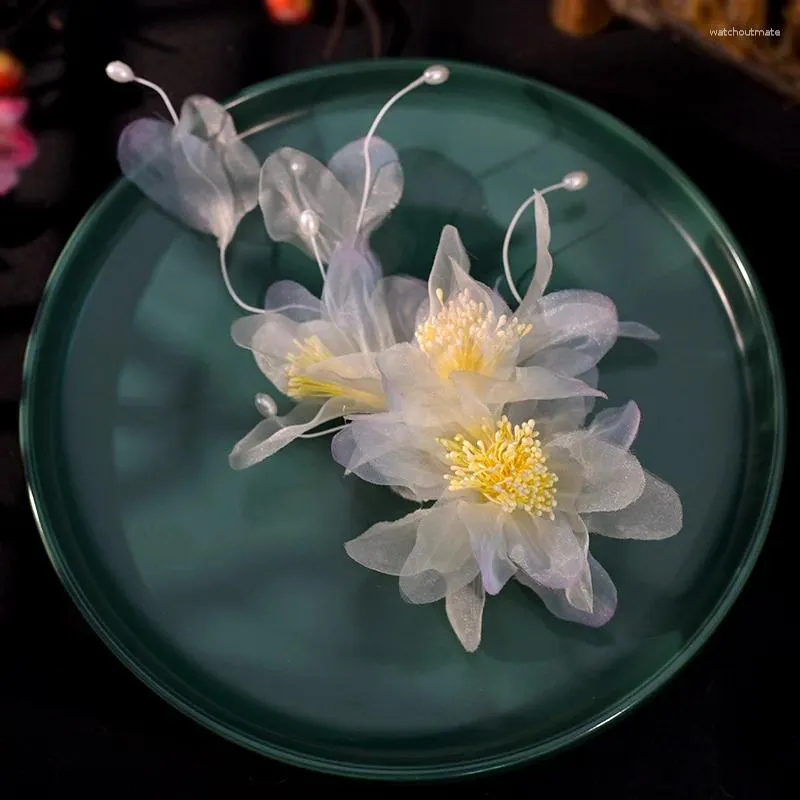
x: 120, y: 72
x: 433, y: 76
x: 572, y: 182
x: 268, y: 408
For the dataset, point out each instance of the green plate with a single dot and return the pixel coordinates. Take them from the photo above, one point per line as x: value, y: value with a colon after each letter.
x: 229, y: 593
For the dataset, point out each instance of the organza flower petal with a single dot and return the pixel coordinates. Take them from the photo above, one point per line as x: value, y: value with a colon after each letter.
x: 450, y: 275
x: 656, y: 514
x: 484, y: 521
x: 377, y: 448
x: 604, y: 597
x: 611, y: 477
x: 207, y: 119
x: 386, y: 546
x: 538, y: 383
x: 292, y: 182
x: 347, y: 299
x: 400, y: 297
x: 181, y: 173
x: 544, y: 261
x: 349, y: 166
x: 293, y: 301
x: 548, y: 551
x: 617, y: 426
x: 583, y: 321
x: 442, y: 542
x: 464, y: 609
x: 273, y: 434
x: 635, y: 330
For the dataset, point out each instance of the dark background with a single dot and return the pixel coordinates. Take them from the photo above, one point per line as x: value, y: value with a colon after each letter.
x: 72, y: 719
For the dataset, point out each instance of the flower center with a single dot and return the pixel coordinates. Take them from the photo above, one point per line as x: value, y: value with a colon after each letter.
x: 506, y: 465
x: 466, y: 336
x: 302, y: 386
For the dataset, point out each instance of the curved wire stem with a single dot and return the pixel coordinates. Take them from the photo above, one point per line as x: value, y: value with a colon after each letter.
x: 162, y: 94
x: 368, y: 139
x: 223, y: 264
x: 510, y: 230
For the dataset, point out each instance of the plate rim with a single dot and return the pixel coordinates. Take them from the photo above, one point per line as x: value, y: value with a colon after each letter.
x: 751, y: 288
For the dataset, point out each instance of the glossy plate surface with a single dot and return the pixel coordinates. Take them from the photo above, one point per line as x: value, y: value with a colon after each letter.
x: 229, y: 593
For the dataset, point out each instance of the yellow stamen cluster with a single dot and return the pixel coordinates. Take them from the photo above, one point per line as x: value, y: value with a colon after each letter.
x: 301, y: 386
x: 466, y: 336
x: 506, y: 465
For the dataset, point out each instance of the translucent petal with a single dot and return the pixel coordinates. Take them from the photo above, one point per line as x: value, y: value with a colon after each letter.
x: 441, y: 561
x: 386, y: 546
x: 544, y: 261
x: 271, y: 337
x: 379, y: 450
x: 450, y: 273
x: 548, y: 551
x: 204, y: 117
x: 484, y: 521
x: 538, y: 383
x: 348, y: 299
x: 604, y: 597
x: 617, y: 426
x: 292, y: 182
x: 635, y: 330
x: 273, y: 434
x: 181, y: 173
x: 293, y: 301
x: 611, y: 477
x: 578, y: 320
x: 402, y: 298
x: 349, y: 166
x: 657, y: 514
x: 464, y: 608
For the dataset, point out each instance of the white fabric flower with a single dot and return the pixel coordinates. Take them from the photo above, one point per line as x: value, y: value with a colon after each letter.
x: 466, y: 332
x: 197, y: 169
x: 515, y: 496
x: 293, y: 182
x: 321, y: 353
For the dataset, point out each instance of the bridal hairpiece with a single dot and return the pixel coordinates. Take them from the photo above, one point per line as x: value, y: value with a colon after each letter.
x: 480, y: 413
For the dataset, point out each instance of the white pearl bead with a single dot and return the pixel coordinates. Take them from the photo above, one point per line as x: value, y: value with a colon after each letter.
x: 574, y: 181
x: 309, y: 223
x: 435, y: 75
x: 266, y: 406
x: 120, y: 72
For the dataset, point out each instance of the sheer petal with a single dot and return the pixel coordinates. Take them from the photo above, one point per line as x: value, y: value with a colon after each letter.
x: 378, y: 449
x: 583, y: 321
x: 450, y: 273
x: 292, y: 300
x: 657, y: 514
x: 204, y: 117
x: 273, y: 434
x: 347, y: 299
x: 182, y: 174
x: 635, y: 330
x: 386, y: 546
x: 402, y: 298
x: 349, y: 166
x: 611, y: 477
x: 604, y: 597
x: 538, y: 383
x: 544, y: 261
x: 271, y: 337
x: 292, y: 182
x: 617, y: 426
x: 484, y: 521
x: 441, y: 561
x: 548, y: 551
x: 465, y: 613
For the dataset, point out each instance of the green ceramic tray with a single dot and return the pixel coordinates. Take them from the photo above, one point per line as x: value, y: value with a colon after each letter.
x: 229, y: 593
